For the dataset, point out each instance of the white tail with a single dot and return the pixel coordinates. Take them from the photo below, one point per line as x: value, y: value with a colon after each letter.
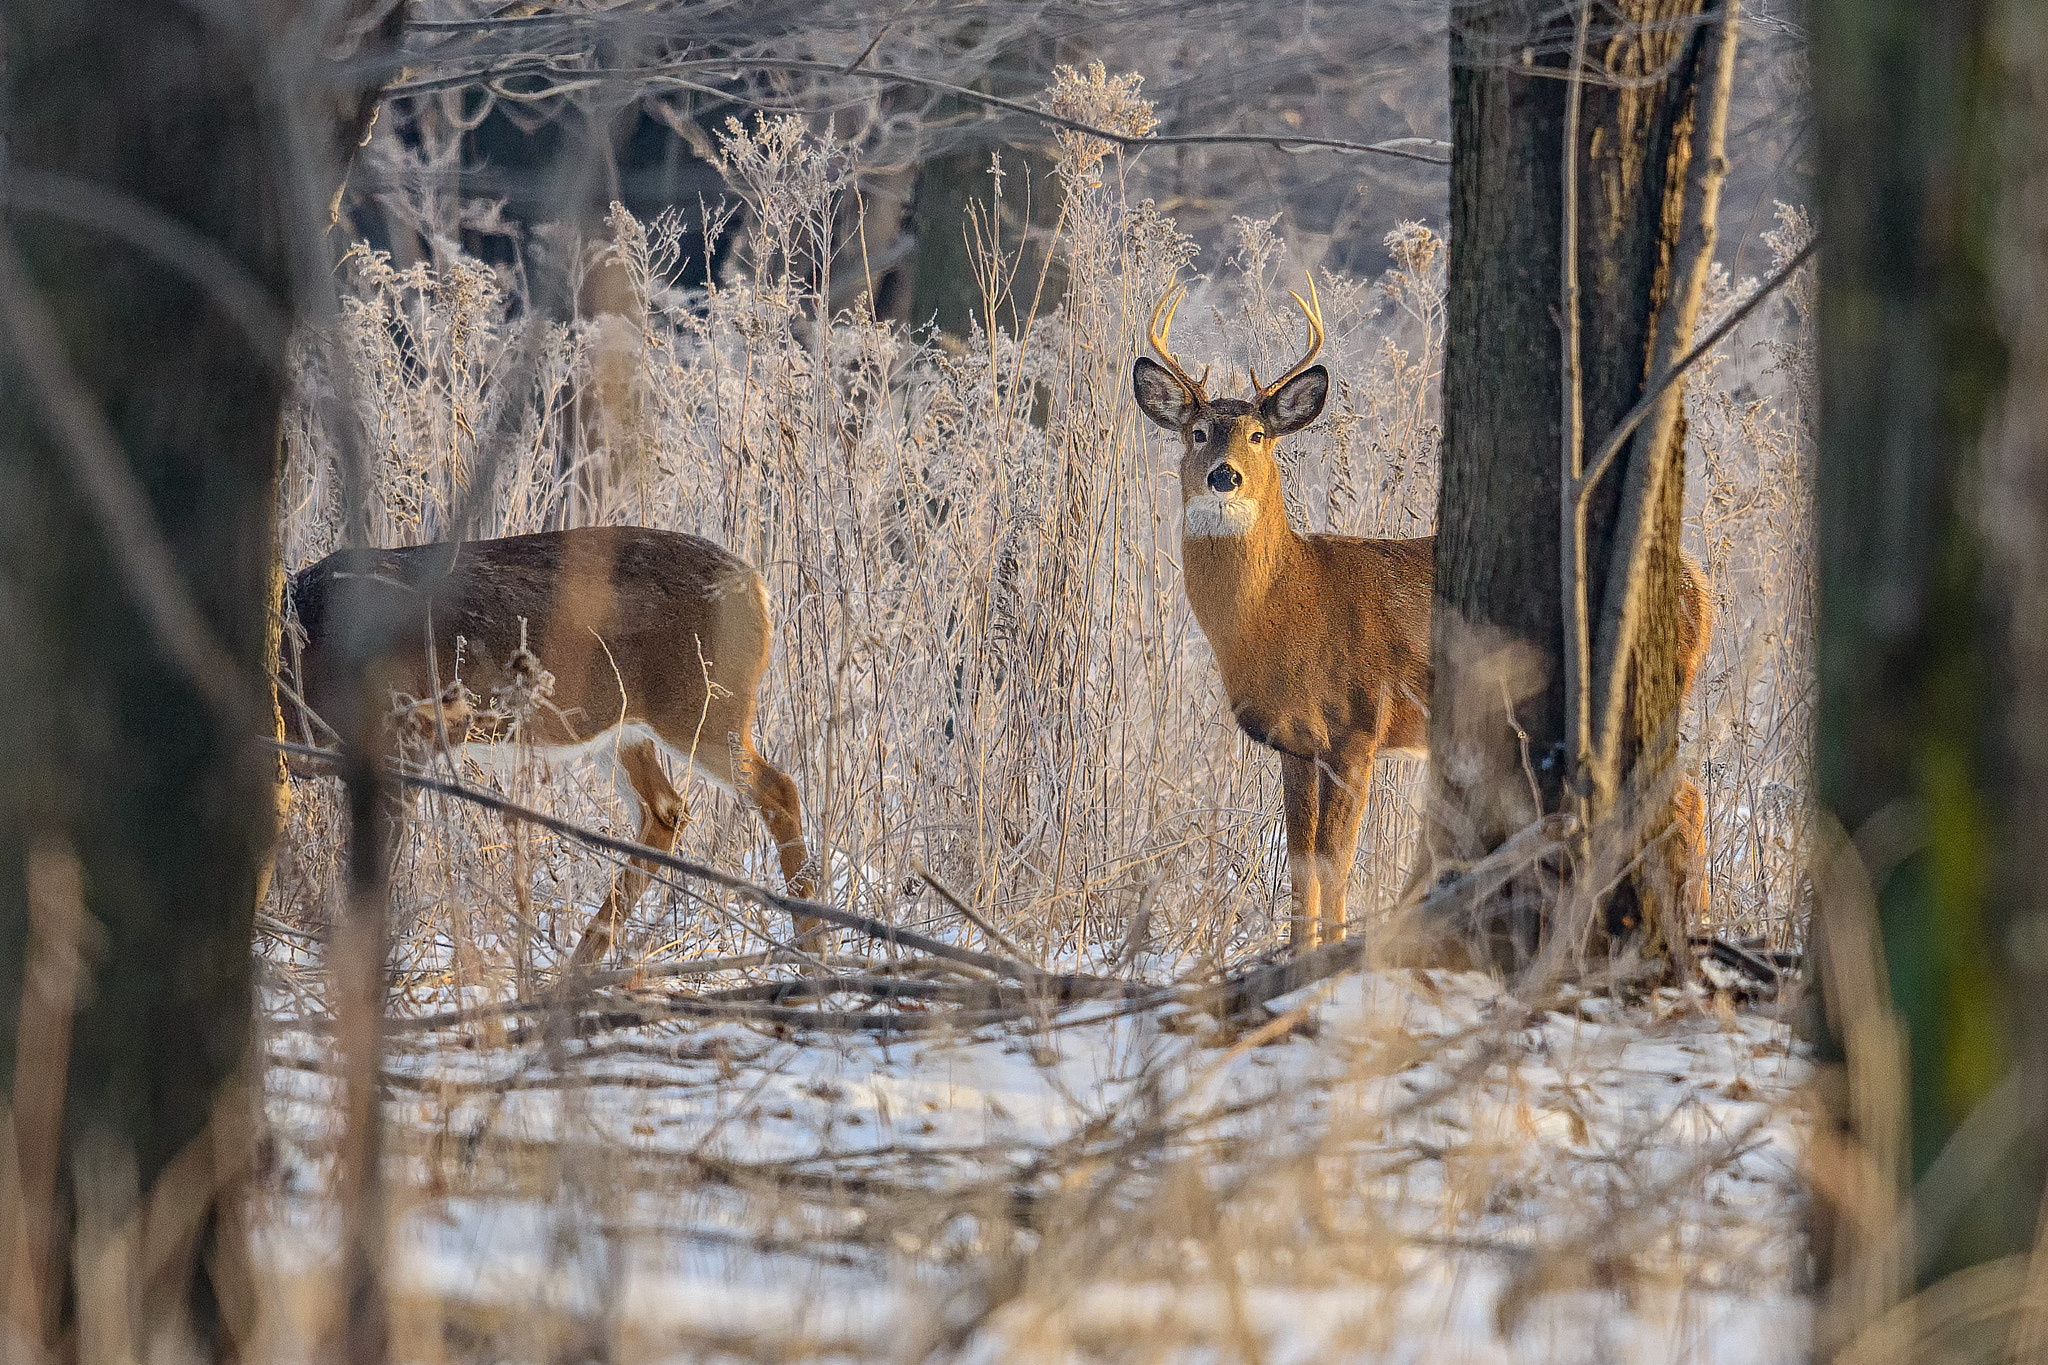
x: 1322, y: 640
x: 656, y: 643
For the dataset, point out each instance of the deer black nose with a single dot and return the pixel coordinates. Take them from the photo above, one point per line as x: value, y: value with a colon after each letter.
x: 1224, y: 479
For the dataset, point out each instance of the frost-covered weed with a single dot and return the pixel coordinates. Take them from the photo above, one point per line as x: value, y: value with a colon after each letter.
x: 986, y: 674
x: 984, y: 664
x: 1750, y: 420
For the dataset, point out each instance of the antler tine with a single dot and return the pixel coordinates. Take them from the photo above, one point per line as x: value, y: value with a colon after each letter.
x: 1162, y: 323
x: 1312, y: 310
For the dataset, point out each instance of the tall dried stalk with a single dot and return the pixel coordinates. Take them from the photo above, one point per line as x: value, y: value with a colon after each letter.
x: 985, y: 665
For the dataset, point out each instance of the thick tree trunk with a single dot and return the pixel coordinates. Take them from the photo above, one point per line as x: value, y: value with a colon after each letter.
x: 1500, y: 752
x: 138, y: 445
x: 1932, y: 750
x: 134, y: 816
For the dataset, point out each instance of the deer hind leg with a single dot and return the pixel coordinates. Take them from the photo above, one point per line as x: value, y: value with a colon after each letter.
x: 774, y: 795
x: 1688, y: 850
x: 661, y: 815
x: 1341, y: 796
x: 1301, y: 806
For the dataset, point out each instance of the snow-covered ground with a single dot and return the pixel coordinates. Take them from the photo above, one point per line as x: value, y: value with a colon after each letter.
x: 1398, y: 1166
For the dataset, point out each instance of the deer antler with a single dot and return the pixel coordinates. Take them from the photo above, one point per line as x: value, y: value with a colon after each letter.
x: 1162, y: 323
x: 1311, y: 309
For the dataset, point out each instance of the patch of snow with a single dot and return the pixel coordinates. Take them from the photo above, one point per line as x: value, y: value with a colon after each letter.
x: 1425, y: 1170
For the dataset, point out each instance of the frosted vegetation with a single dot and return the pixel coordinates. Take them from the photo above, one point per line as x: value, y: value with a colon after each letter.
x: 986, y: 675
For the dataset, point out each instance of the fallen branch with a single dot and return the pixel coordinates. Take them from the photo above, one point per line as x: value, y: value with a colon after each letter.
x: 791, y: 905
x: 582, y: 988
x: 881, y: 1023
x: 983, y: 995
x: 1437, y: 919
x: 967, y: 912
x: 1766, y: 974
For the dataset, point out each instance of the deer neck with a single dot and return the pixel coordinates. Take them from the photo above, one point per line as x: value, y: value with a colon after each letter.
x: 1230, y: 578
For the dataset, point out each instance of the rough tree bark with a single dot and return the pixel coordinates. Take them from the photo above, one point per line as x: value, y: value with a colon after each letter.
x: 1500, y: 753
x: 138, y: 444
x: 1932, y: 751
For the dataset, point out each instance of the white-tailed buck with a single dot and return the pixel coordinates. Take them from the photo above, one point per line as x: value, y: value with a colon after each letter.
x: 655, y: 642
x: 1322, y: 640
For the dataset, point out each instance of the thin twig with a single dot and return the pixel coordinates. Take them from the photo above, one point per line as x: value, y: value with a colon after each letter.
x: 1141, y: 926
x: 967, y: 912
x: 1571, y: 508
x: 866, y: 52
x: 1633, y: 418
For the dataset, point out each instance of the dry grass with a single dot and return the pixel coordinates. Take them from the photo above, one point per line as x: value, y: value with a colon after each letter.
x: 985, y: 667
x: 1751, y: 413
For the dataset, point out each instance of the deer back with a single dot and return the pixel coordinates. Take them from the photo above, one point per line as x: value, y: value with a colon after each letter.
x: 627, y: 621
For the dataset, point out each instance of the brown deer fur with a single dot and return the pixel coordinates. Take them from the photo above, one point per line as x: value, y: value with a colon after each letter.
x: 631, y: 623
x: 1322, y: 640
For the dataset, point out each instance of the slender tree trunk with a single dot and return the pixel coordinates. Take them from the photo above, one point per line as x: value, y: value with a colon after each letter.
x: 138, y: 448
x: 1501, y: 755
x: 1932, y: 750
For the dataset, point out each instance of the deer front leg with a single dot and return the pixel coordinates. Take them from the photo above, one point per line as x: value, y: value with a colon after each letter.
x: 1341, y: 794
x: 1301, y: 806
x: 661, y: 813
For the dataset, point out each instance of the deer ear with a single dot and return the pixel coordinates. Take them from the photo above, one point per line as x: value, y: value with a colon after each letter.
x: 1298, y: 402
x: 1160, y: 396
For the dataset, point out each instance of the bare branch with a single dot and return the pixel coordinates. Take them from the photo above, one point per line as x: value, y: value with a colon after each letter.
x: 1633, y: 418
x: 1429, y: 151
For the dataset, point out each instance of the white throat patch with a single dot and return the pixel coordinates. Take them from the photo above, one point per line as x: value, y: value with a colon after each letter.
x: 1219, y: 514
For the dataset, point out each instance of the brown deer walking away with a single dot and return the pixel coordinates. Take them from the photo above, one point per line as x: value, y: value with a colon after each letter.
x: 1322, y: 640
x: 656, y: 643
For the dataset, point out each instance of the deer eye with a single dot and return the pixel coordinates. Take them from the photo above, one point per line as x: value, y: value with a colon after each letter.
x: 1201, y: 436
x: 1258, y: 436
